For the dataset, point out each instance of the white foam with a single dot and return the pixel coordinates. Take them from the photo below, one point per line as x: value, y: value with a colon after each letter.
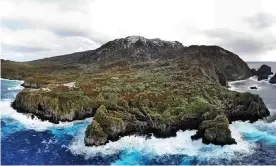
x: 27, y: 121
x: 244, y: 85
x: 19, y: 81
x: 181, y: 144
x: 17, y: 87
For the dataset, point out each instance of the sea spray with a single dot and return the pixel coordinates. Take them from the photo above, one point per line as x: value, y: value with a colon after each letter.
x: 179, y: 145
x: 30, y: 122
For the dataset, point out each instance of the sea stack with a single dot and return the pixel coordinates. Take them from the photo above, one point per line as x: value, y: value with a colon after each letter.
x: 263, y: 72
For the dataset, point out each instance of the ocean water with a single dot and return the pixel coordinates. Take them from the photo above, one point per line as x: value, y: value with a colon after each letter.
x: 31, y: 141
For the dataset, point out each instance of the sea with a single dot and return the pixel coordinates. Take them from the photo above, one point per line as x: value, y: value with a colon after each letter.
x: 31, y: 141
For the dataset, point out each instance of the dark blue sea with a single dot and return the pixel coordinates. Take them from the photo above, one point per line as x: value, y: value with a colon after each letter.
x: 31, y: 141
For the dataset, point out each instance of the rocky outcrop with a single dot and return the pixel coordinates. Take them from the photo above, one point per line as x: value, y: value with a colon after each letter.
x: 55, y: 107
x: 263, y: 72
x: 273, y: 79
x: 215, y: 131
x: 246, y: 106
x: 253, y: 87
x: 32, y: 83
x: 212, y: 124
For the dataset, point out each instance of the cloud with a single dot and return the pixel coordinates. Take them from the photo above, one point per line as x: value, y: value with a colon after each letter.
x: 23, y: 49
x: 242, y: 42
x: 261, y: 21
x: 42, y: 28
x: 29, y: 44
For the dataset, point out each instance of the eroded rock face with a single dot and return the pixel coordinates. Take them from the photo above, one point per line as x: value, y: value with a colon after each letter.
x: 273, y: 79
x: 247, y: 106
x: 94, y: 135
x: 48, y: 105
x: 212, y: 124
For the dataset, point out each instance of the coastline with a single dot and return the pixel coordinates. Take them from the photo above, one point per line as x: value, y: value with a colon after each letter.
x: 244, y: 148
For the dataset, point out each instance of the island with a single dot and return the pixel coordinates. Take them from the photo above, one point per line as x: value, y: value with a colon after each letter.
x: 139, y: 86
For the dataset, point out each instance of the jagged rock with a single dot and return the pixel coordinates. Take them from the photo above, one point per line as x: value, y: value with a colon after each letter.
x: 215, y: 131
x: 273, y: 79
x: 246, y: 106
x: 94, y: 135
x: 254, y: 72
x: 263, y: 72
x: 212, y: 124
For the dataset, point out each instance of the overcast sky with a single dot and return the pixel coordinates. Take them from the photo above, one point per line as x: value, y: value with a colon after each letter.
x: 33, y: 29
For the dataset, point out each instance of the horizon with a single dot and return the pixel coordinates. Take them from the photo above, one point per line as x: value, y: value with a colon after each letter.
x: 75, y: 26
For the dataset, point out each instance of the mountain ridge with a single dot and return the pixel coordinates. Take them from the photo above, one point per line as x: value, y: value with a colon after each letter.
x: 128, y: 51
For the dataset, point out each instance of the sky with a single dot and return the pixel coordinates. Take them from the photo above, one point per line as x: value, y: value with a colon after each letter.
x: 35, y: 29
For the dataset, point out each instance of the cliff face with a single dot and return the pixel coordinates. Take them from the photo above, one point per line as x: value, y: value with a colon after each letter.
x: 54, y: 104
x: 143, y: 86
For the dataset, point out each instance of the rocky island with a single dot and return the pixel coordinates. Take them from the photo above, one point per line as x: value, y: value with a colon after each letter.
x: 139, y: 86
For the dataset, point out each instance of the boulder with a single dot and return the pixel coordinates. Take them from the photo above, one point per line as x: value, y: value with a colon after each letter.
x: 253, y: 87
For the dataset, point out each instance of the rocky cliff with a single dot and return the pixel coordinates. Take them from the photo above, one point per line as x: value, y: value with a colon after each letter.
x: 142, y: 86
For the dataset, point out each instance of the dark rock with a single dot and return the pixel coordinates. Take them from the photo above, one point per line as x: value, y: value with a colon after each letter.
x: 222, y: 78
x: 273, y: 79
x: 247, y: 106
x: 254, y: 72
x: 262, y: 77
x: 253, y: 87
x: 263, y: 72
